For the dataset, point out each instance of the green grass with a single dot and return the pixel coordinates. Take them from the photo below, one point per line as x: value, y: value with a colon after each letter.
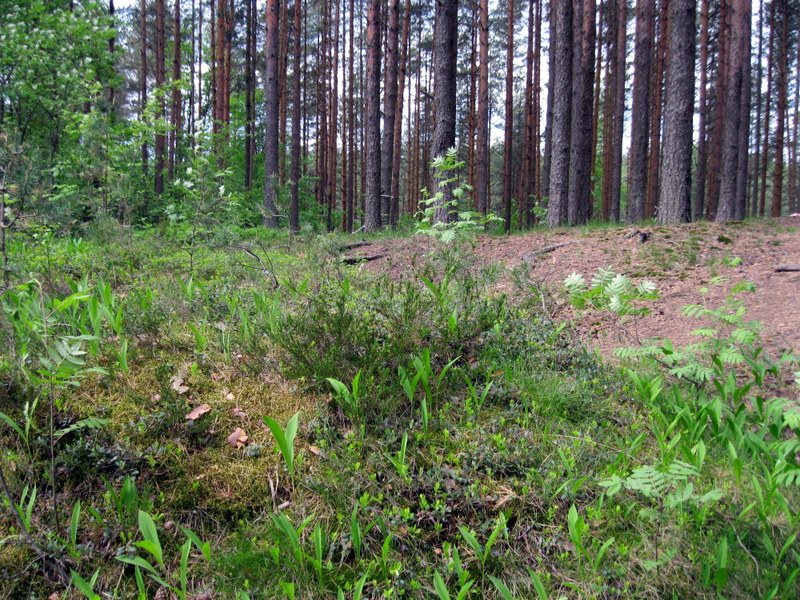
x: 533, y: 456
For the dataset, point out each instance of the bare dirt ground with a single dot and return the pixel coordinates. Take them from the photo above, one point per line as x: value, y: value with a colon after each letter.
x: 678, y: 259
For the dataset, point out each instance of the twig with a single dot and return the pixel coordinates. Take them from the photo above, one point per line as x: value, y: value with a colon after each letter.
x: 528, y: 258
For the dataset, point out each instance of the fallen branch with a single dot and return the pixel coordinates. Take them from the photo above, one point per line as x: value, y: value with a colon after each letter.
x: 360, y: 259
x: 531, y: 255
x: 353, y: 246
x: 787, y: 268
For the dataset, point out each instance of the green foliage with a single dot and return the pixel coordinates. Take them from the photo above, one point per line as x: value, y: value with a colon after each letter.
x: 284, y: 438
x: 610, y: 291
x: 451, y: 198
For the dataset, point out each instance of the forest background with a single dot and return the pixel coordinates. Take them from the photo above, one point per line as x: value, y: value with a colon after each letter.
x: 329, y: 114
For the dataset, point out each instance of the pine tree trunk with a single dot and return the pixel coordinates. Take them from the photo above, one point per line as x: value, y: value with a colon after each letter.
x: 657, y: 95
x: 351, y: 145
x: 143, y: 75
x: 547, y: 159
x: 720, y: 107
x: 508, y: 181
x: 444, y: 93
x: 398, y: 118
x: 783, y: 89
x: 389, y: 108
x: 676, y: 176
x: 743, y: 167
x: 249, y: 88
x: 160, y: 43
x: 767, y: 109
x: 294, y: 205
x: 270, y: 216
x: 640, y: 111
x: 562, y: 114
x: 580, y: 167
x: 734, y: 92
x: 175, y: 110
x: 619, y: 110
x: 702, y: 104
x: 373, y: 118
x: 482, y: 176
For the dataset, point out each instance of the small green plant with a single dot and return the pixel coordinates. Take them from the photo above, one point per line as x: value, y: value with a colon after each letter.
x: 483, y: 552
x: 442, y: 216
x: 285, y: 440
x: 158, y: 572
x: 348, y: 398
x: 399, y: 459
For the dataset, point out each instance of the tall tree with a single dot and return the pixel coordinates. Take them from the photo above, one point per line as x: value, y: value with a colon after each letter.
x: 372, y: 220
x: 398, y: 118
x: 389, y: 107
x: 739, y: 11
x: 702, y: 109
x: 657, y: 95
x: 676, y: 177
x: 562, y: 46
x: 640, y: 110
x: 444, y: 92
x: 249, y: 92
x: 783, y: 42
x: 143, y: 73
x: 160, y: 44
x: 482, y: 149
x: 175, y: 119
x: 548, y: 125
x: 580, y: 162
x: 270, y: 216
x: 294, y: 204
x: 508, y: 179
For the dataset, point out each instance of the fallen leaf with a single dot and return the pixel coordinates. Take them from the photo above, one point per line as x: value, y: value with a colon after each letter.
x: 314, y: 450
x: 229, y: 396
x: 238, y: 412
x: 156, y: 397
x: 198, y: 412
x: 176, y: 383
x: 238, y: 439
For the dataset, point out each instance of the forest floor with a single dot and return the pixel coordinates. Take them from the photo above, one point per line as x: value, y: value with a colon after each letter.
x: 681, y: 260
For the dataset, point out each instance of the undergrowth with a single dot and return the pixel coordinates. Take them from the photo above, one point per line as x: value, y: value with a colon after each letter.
x: 259, y: 420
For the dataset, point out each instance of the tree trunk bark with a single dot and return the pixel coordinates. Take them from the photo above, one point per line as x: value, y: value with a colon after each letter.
x: 444, y: 93
x: 373, y: 118
x: 175, y: 109
x: 562, y: 115
x: 702, y: 106
x: 508, y: 180
x: 294, y: 206
x: 482, y: 176
x: 580, y: 167
x: 676, y: 176
x: 780, y: 127
x: 160, y: 104
x: 389, y: 108
x: 640, y: 112
x: 270, y: 217
x: 398, y: 118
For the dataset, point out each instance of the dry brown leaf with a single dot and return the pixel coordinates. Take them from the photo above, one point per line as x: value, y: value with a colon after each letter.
x: 229, y: 396
x: 176, y: 383
x: 314, y: 450
x: 238, y: 439
x: 238, y: 412
x: 198, y: 412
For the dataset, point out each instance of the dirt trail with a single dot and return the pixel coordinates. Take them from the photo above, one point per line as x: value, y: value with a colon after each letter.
x: 678, y: 259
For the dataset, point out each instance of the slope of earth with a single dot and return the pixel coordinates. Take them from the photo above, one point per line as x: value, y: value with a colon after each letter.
x: 679, y: 259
